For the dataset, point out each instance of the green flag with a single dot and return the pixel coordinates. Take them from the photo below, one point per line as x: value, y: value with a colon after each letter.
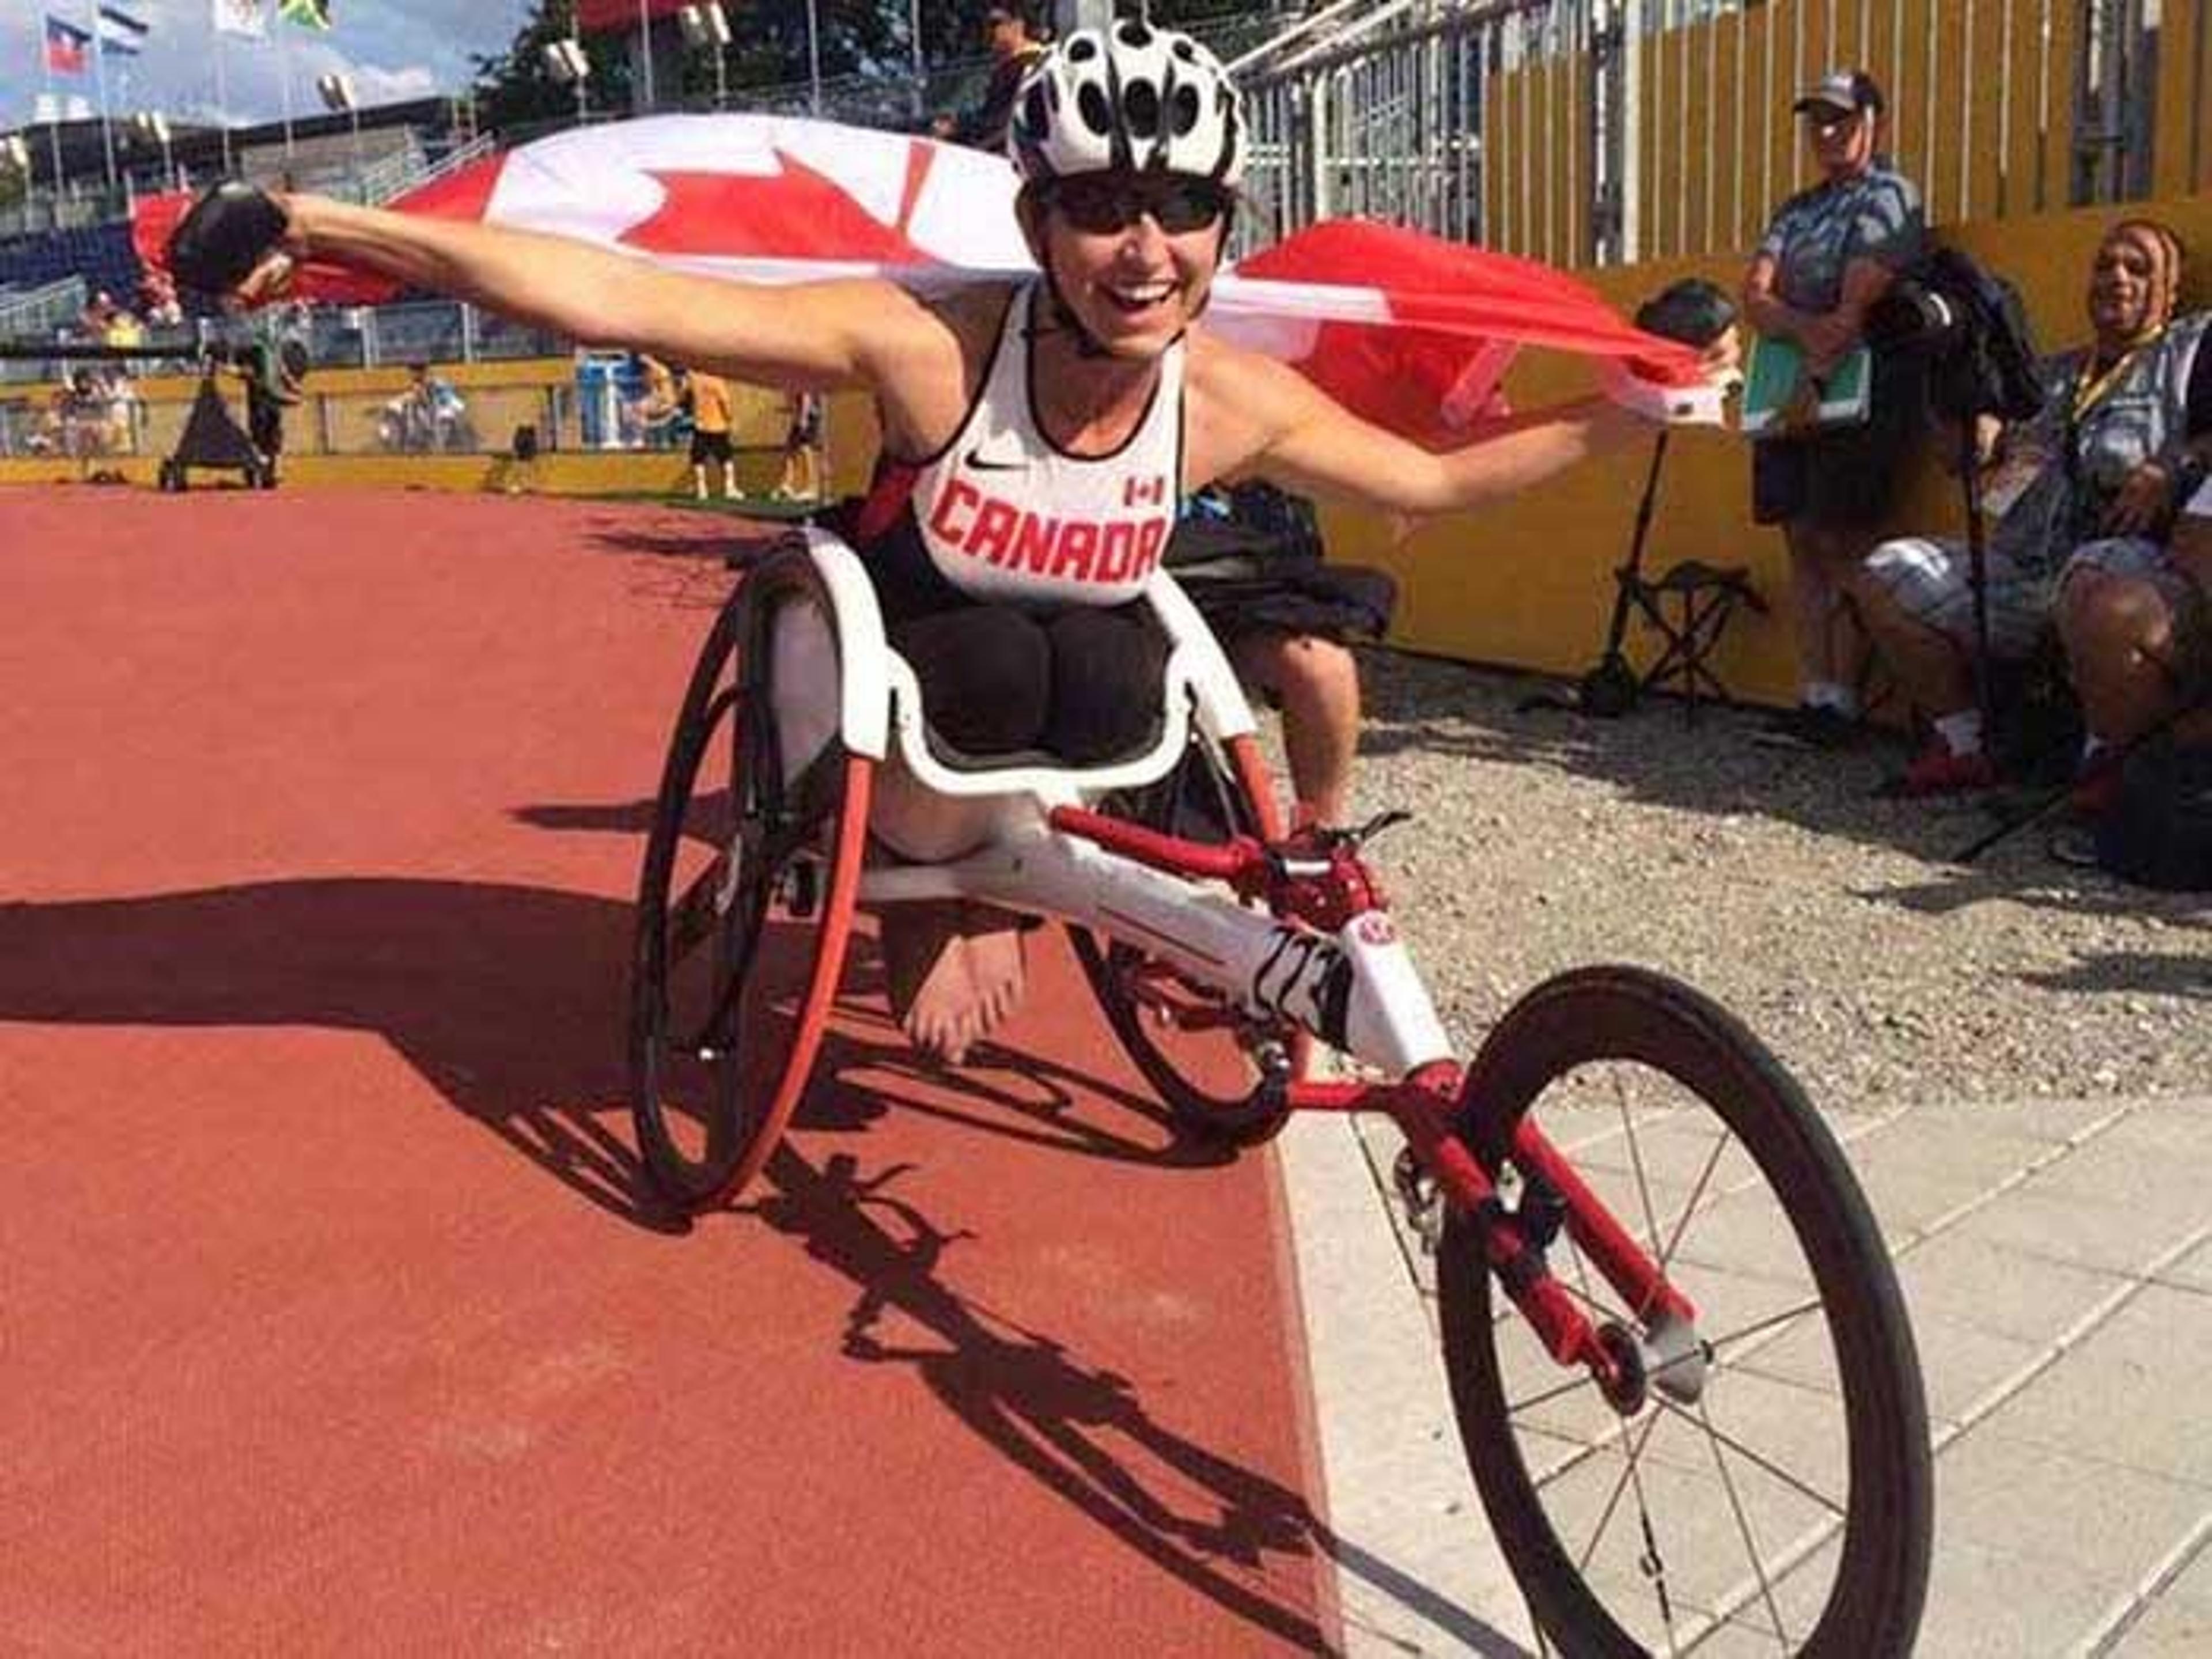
x: 307, y: 14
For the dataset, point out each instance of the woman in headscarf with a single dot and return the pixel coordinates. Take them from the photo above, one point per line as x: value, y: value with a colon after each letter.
x: 2083, y: 497
x: 2131, y: 606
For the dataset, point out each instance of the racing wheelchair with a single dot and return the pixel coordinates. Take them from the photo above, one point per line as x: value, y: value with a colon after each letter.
x: 1681, y: 1370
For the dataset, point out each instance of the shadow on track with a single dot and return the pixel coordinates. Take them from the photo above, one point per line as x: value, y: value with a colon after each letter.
x: 1081, y: 1432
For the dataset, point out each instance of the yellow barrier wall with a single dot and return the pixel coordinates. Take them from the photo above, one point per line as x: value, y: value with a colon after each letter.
x: 1527, y: 583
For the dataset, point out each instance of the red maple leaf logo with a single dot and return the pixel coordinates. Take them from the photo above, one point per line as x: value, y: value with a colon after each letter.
x: 797, y: 213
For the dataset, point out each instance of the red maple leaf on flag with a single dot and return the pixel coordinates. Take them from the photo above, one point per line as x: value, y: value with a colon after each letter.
x: 796, y: 214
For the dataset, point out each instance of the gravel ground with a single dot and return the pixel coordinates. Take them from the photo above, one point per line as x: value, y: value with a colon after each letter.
x: 1832, y: 921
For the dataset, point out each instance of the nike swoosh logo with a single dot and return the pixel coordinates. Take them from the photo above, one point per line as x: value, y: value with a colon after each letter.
x: 980, y: 463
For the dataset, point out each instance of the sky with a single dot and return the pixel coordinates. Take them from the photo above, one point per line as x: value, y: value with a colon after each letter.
x: 392, y: 49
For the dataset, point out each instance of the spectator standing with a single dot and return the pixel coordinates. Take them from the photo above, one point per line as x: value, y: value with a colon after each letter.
x: 707, y: 396
x: 1831, y: 252
x: 1008, y: 32
x: 2084, y: 498
x: 800, y: 478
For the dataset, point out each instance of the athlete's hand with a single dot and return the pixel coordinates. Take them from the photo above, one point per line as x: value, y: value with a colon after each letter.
x: 233, y: 244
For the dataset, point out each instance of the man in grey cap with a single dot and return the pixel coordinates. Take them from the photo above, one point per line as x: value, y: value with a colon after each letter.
x: 1831, y: 251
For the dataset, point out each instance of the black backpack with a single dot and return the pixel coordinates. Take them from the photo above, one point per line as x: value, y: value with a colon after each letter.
x: 1972, y: 328
x: 2159, y: 832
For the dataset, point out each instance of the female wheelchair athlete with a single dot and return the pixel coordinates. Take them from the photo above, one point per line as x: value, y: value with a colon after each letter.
x: 1692, y: 1408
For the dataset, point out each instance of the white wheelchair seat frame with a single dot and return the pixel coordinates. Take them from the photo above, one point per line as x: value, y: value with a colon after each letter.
x: 1029, y: 864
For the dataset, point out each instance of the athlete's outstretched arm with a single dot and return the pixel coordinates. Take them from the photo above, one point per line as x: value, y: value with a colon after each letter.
x: 1260, y: 417
x: 817, y: 335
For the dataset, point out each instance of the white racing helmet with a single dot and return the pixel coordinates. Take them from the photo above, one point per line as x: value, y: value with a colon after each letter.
x: 1128, y: 98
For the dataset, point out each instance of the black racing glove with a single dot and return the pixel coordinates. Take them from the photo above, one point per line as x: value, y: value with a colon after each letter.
x: 229, y: 230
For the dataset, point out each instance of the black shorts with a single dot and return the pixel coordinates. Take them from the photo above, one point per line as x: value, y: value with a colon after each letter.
x: 709, y: 446
x: 264, y: 425
x: 1080, y: 684
x: 1849, y: 479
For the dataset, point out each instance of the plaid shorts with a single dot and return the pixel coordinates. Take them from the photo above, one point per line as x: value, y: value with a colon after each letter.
x: 1928, y: 578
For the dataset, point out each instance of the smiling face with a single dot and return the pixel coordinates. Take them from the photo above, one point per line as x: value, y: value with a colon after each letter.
x: 2127, y: 280
x: 1132, y: 255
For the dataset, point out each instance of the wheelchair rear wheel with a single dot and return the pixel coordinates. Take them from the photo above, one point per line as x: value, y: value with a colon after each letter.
x: 1221, y: 1073
x: 745, y: 901
x: 1759, y: 1482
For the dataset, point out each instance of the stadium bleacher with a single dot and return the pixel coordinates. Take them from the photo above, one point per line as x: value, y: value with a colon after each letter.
x: 102, y: 254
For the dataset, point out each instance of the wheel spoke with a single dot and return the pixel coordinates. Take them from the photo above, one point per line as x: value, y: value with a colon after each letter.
x: 1743, y: 1526
x: 1702, y: 1420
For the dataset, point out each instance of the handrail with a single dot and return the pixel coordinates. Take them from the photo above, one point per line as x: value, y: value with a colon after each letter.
x: 38, y: 309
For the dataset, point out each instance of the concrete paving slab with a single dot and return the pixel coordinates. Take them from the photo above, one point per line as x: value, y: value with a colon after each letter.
x: 1418, y: 1571
x: 1961, y: 1363
x: 2114, y: 1523
x: 1961, y: 1276
x: 1984, y: 1602
x: 2063, y: 1305
x: 2057, y: 1216
x: 2131, y: 1393
x: 2193, y: 1272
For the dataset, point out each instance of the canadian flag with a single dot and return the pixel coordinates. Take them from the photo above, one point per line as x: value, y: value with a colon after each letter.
x: 1403, y: 328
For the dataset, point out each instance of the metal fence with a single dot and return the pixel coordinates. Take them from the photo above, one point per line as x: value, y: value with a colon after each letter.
x: 1597, y: 131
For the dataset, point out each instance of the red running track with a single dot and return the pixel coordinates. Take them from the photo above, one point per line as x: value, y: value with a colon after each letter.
x: 331, y: 1315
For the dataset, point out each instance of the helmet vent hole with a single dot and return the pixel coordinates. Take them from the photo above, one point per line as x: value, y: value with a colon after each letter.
x: 1098, y: 114
x: 1185, y: 117
x: 1134, y: 34
x: 1081, y: 51
x: 1140, y: 104
x: 1184, y: 49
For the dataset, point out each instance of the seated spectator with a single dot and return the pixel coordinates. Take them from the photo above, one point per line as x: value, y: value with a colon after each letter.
x: 1007, y: 25
x: 157, y: 300
x: 429, y: 414
x: 123, y: 332
x: 2082, y: 501
x: 2132, y: 609
x: 119, y: 400
x: 1250, y: 558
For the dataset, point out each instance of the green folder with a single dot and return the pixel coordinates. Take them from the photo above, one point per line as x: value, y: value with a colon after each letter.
x: 1770, y: 380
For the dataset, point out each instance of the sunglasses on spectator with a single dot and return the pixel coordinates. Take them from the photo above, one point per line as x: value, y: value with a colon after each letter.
x: 1100, y: 207
x: 1828, y: 123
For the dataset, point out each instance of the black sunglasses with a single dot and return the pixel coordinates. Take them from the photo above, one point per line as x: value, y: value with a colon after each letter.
x: 1100, y: 207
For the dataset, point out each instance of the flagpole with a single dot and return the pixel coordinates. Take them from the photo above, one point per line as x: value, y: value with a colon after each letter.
x: 645, y: 53
x: 53, y: 126
x: 221, y: 96
x: 284, y: 74
x: 100, y: 73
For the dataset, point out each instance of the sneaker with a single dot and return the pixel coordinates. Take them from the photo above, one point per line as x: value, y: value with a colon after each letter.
x: 1810, y: 726
x: 1937, y: 770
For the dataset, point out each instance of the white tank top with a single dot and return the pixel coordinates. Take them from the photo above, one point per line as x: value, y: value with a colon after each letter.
x: 1005, y: 515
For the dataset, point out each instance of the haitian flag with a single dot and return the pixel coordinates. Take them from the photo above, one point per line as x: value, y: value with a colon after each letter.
x: 1406, y: 329
x: 67, y: 47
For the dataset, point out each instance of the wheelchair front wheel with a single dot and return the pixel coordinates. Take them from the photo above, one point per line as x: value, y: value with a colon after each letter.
x: 1220, y: 1072
x: 1759, y: 1482
x: 745, y: 901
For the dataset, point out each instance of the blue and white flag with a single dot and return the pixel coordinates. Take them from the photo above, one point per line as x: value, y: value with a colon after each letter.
x: 122, y: 35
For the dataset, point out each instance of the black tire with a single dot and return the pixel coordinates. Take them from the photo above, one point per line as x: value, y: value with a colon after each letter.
x: 1631, y: 1528
x: 1223, y: 1081
x: 745, y: 908
x: 171, y: 478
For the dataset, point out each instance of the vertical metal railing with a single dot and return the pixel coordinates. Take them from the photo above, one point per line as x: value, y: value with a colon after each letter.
x: 1597, y: 131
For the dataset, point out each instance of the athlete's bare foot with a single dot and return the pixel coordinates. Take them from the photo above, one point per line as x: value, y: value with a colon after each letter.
x: 953, y: 970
